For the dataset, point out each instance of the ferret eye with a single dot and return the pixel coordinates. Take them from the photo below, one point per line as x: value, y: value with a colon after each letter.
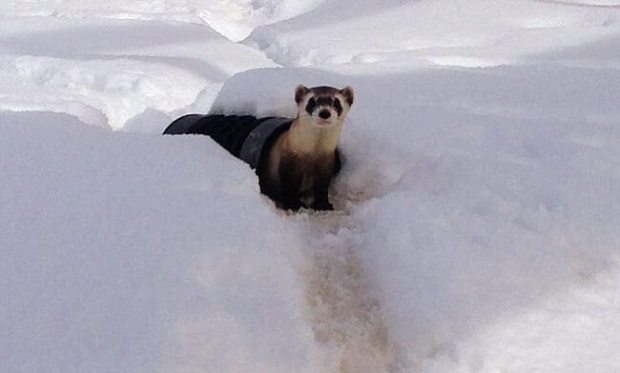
x: 338, y: 106
x: 311, y: 105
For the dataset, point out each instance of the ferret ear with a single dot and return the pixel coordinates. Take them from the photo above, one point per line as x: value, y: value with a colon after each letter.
x: 347, y: 93
x: 300, y: 92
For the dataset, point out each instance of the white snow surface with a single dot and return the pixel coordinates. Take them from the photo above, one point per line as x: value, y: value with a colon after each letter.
x: 477, y: 213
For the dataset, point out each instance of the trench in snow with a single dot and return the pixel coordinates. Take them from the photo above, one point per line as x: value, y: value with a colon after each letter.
x: 344, y: 312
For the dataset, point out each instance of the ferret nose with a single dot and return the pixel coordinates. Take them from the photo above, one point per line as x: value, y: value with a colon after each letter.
x: 325, y: 114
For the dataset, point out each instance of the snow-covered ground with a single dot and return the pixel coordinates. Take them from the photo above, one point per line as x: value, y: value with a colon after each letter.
x: 477, y: 214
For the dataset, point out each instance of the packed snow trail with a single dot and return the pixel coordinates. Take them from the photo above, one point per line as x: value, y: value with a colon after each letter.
x: 343, y: 310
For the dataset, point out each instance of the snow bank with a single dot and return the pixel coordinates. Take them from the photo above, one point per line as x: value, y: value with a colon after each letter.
x: 403, y: 33
x: 107, y: 72
x: 234, y: 19
x: 475, y: 194
x: 127, y: 253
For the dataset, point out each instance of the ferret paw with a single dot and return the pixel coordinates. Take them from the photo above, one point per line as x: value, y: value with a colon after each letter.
x: 322, y: 206
x: 290, y: 205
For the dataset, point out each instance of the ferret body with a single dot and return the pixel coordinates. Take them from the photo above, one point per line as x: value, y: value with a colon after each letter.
x: 304, y: 159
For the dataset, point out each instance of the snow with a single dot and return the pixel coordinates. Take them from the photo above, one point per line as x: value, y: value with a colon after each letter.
x: 476, y: 215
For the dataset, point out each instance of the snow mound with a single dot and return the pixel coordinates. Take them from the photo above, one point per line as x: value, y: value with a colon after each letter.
x: 406, y: 33
x: 137, y: 259
x: 107, y: 71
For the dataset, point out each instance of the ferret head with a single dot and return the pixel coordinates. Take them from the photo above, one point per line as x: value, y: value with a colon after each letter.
x: 324, y: 106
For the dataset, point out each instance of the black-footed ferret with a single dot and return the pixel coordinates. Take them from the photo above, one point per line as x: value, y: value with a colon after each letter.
x: 295, y: 159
